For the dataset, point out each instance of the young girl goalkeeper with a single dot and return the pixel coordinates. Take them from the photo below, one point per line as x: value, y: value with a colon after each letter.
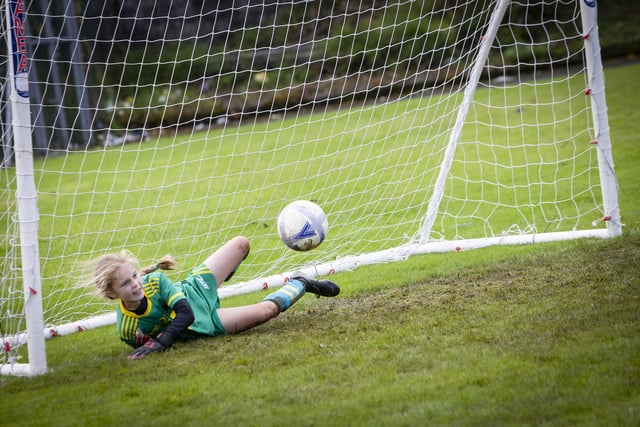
x: 154, y: 312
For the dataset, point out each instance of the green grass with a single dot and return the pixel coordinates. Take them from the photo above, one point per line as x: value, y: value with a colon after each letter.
x: 507, y: 337
x: 526, y: 335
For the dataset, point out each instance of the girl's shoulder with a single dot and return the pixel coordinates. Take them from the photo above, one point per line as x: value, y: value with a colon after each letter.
x: 157, y: 273
x: 157, y: 277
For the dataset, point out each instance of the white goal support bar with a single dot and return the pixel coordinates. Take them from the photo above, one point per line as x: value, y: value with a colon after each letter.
x: 602, y: 139
x: 26, y: 195
x: 345, y: 264
x: 456, y: 131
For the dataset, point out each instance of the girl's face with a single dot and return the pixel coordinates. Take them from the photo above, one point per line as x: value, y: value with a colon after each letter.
x: 127, y: 284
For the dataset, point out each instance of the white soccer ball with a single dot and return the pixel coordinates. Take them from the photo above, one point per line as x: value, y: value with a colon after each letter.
x: 302, y: 225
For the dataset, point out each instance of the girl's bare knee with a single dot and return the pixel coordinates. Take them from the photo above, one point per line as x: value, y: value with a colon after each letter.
x: 242, y: 244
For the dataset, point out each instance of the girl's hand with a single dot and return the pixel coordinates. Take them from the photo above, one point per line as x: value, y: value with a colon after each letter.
x: 149, y: 347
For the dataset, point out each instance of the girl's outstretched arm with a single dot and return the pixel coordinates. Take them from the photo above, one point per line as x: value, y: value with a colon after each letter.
x: 184, y: 318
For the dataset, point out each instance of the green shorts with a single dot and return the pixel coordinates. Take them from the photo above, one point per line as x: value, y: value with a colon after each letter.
x: 201, y: 290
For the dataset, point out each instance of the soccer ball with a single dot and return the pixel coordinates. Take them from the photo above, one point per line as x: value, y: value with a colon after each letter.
x: 302, y: 225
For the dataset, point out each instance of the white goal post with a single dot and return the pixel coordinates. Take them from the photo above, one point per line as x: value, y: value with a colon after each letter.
x: 419, y: 126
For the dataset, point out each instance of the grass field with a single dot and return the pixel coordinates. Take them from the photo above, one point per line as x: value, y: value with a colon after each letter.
x: 528, y: 335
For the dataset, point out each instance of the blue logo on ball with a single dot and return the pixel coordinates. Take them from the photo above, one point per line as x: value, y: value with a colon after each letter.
x: 306, y: 231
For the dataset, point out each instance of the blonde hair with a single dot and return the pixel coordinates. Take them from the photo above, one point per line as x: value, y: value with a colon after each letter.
x: 102, y: 269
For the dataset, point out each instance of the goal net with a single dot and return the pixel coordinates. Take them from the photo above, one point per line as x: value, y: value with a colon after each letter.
x: 172, y: 126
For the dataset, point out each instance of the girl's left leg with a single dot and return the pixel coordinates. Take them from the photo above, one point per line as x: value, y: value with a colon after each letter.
x: 239, y: 319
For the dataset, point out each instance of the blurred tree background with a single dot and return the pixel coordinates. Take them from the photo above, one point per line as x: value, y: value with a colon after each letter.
x: 156, y: 64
